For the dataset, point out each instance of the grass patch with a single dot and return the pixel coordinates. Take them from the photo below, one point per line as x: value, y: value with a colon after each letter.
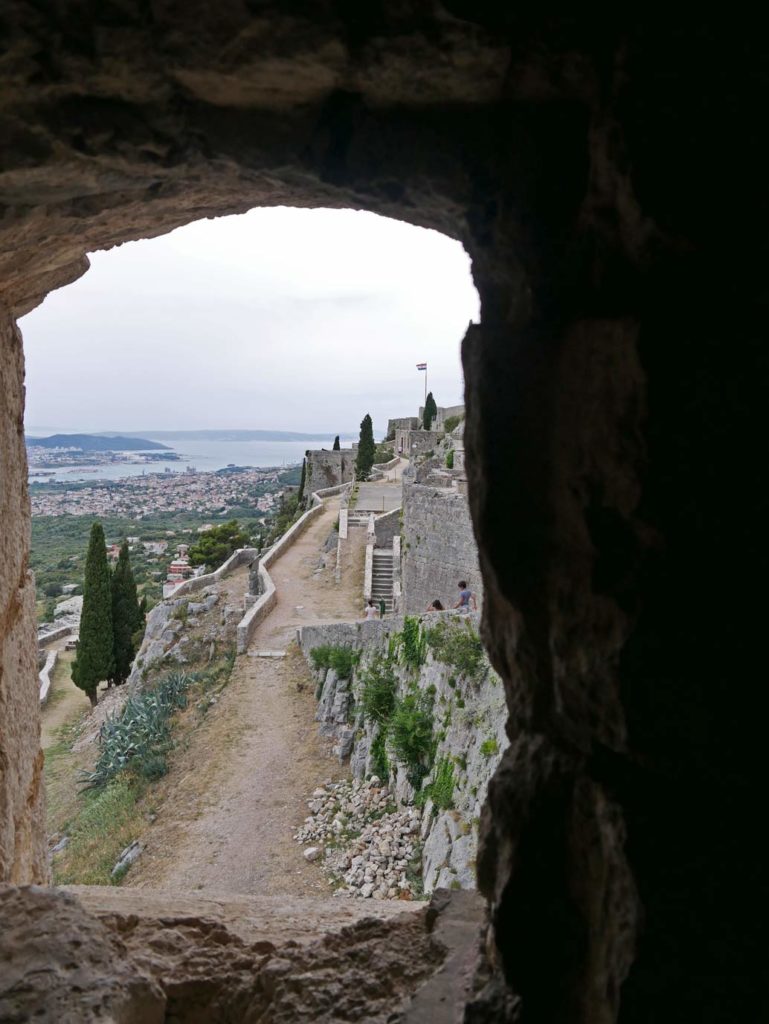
x: 109, y: 820
x: 378, y: 692
x: 489, y: 747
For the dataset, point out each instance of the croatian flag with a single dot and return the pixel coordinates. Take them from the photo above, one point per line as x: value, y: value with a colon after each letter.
x: 421, y: 366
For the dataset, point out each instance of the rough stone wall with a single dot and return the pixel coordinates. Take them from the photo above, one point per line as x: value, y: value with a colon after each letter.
x: 386, y: 527
x: 328, y: 468
x: 437, y: 548
x: 23, y: 851
x: 469, y: 717
x: 416, y: 442
x: 444, y: 413
x: 402, y: 423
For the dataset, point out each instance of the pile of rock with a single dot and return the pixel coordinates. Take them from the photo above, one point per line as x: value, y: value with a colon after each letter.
x: 369, y: 849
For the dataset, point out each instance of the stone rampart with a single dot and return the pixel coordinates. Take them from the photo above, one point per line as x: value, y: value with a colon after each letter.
x: 444, y: 413
x: 402, y: 423
x: 466, y: 704
x: 328, y: 468
x: 236, y: 559
x: 438, y: 547
x: 416, y: 442
x: 268, y: 596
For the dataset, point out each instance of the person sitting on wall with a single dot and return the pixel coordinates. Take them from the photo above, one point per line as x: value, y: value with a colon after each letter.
x: 435, y: 606
x: 466, y: 597
x: 370, y: 611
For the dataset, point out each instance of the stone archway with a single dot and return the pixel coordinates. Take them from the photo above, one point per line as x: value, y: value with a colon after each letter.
x: 608, y: 185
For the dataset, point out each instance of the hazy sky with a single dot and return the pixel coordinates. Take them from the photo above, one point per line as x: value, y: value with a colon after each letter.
x: 279, y: 319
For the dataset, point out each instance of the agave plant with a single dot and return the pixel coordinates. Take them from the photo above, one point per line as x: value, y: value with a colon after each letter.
x: 140, y: 735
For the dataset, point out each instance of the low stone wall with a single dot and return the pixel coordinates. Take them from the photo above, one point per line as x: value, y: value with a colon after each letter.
x: 46, y: 675
x: 55, y: 634
x: 268, y: 597
x: 236, y: 559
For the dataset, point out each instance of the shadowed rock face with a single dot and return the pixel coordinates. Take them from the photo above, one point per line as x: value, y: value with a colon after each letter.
x: 608, y: 180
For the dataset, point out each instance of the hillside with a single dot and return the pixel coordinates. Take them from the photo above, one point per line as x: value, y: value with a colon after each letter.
x: 96, y: 443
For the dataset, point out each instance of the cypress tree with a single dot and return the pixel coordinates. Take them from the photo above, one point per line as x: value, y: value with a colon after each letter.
x: 94, y: 659
x: 337, y: 447
x: 431, y: 411
x: 302, y: 482
x: 366, y: 448
x: 126, y: 616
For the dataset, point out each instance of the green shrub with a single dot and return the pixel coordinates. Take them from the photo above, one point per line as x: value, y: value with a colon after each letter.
x: 413, y: 645
x: 379, y: 764
x: 321, y: 656
x: 441, y: 789
x: 458, y: 645
x: 450, y: 459
x: 451, y: 423
x: 341, y: 659
x: 378, y: 692
x: 139, y: 737
x: 489, y: 747
x: 411, y: 734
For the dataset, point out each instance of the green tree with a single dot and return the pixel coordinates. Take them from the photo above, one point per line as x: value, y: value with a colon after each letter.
x: 302, y: 482
x: 365, y: 457
x: 431, y: 411
x: 215, y: 546
x: 126, y: 616
x: 337, y: 446
x: 94, y: 658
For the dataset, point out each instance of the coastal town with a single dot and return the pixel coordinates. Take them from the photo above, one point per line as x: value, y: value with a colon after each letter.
x: 138, y: 496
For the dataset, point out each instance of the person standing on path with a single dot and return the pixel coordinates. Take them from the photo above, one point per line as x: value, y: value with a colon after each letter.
x: 370, y: 611
x: 466, y: 597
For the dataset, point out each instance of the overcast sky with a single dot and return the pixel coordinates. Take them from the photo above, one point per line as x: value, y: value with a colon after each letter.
x: 279, y: 319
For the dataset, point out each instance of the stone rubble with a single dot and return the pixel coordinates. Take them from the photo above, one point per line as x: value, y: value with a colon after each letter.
x: 368, y: 849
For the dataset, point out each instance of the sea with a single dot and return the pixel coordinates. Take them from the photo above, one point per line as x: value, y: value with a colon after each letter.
x: 203, y: 455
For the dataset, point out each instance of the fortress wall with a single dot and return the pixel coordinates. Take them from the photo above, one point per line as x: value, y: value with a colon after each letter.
x: 328, y: 468
x: 438, y: 548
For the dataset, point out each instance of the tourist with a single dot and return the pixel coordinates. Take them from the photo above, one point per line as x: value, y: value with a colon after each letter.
x: 370, y: 611
x: 466, y: 597
x: 435, y: 606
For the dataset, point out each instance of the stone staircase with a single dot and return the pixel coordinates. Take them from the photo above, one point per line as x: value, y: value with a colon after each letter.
x: 382, y: 578
x: 358, y: 518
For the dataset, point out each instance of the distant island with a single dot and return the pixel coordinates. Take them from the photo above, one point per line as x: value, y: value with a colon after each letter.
x: 96, y: 443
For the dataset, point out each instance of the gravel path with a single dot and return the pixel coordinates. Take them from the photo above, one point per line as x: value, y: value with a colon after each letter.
x: 237, y: 794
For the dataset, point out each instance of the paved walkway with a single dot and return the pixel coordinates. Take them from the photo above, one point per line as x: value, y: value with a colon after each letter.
x: 382, y: 495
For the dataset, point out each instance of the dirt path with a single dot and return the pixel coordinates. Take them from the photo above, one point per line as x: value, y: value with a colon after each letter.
x: 65, y: 700
x: 236, y: 795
